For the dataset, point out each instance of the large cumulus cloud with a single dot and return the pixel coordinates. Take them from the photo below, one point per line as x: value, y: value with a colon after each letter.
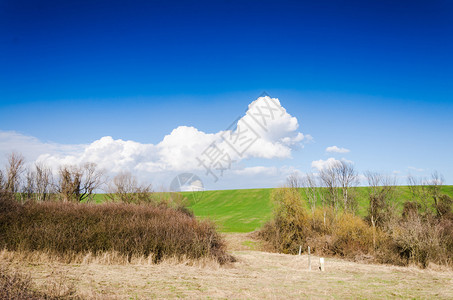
x: 266, y: 130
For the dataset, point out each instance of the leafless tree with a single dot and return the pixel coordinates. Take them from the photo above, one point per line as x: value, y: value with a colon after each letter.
x: 427, y: 192
x: 311, y: 189
x: 69, y: 183
x: 329, y: 180
x: 382, y: 195
x: 14, y: 170
x: 43, y: 181
x: 28, y: 187
x: 294, y: 181
x: 125, y: 188
x: 79, y: 183
x: 2, y: 181
x: 434, y: 189
x: 419, y: 190
x: 92, y: 179
x: 347, y: 178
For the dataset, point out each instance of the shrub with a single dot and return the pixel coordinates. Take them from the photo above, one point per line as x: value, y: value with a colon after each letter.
x: 352, y: 236
x: 323, y: 230
x: 66, y: 229
x: 416, y: 241
x: 289, y: 227
x: 423, y: 238
x: 444, y: 207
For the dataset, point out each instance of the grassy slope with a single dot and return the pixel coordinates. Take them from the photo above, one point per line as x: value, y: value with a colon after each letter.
x: 234, y: 210
x: 248, y: 209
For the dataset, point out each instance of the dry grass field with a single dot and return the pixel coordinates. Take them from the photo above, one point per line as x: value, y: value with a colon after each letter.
x: 256, y: 275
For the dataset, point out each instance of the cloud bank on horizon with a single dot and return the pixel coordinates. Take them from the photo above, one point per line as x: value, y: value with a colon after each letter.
x: 266, y: 131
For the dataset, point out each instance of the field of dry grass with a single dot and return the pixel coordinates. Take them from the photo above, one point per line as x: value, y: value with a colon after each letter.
x: 256, y: 274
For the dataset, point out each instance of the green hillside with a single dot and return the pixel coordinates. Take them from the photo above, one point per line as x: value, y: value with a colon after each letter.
x: 233, y: 210
x: 248, y: 209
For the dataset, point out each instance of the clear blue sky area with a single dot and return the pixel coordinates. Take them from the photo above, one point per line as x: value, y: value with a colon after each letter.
x: 375, y: 77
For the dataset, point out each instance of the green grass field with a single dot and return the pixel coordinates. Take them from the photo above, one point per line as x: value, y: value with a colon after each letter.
x: 234, y: 210
x: 246, y: 210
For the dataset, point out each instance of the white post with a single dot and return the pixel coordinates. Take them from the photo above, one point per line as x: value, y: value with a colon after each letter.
x: 309, y: 259
x: 300, y: 250
x: 321, y: 264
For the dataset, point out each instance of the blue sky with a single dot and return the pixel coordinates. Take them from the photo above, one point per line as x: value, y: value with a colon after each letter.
x: 375, y: 77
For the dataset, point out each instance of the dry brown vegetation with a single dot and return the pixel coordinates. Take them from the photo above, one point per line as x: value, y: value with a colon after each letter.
x: 256, y: 275
x: 418, y: 236
x: 17, y: 284
x: 68, y: 230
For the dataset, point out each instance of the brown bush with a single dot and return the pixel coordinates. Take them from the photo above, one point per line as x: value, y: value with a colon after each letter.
x: 67, y: 229
x: 444, y: 207
x: 422, y: 237
x: 416, y: 241
x: 289, y: 227
x: 414, y: 238
x: 323, y: 230
x: 352, y: 236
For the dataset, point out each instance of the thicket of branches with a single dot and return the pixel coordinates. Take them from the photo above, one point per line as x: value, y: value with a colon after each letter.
x: 323, y: 215
x: 69, y: 230
x: 155, y: 226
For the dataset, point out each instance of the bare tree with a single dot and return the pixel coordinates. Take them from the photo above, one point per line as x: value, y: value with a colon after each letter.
x: 294, y: 181
x: 2, y: 181
x: 69, y: 183
x: 434, y: 189
x: 347, y: 178
x: 419, y: 190
x: 125, y: 188
x: 382, y: 194
x: 28, y: 188
x: 329, y: 180
x: 79, y: 183
x: 14, y: 170
x: 92, y: 179
x: 43, y: 181
x: 311, y: 189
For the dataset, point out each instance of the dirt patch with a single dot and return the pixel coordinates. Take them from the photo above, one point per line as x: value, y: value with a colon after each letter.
x: 243, y: 241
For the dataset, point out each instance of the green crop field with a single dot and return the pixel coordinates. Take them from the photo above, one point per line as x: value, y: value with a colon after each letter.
x: 246, y: 210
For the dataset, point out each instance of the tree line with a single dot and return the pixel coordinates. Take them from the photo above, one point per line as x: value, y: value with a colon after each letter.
x: 70, y: 183
x: 335, y: 186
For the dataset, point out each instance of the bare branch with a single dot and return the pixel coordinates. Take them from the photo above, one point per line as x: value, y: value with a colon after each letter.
x: 14, y: 170
x: 79, y: 183
x: 43, y: 181
x: 126, y: 189
x: 294, y: 181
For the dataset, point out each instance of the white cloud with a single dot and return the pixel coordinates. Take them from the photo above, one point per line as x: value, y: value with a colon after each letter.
x: 335, y: 149
x: 322, y: 164
x: 32, y: 147
x: 257, y: 170
x: 265, y: 131
x: 193, y: 186
x: 416, y: 169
